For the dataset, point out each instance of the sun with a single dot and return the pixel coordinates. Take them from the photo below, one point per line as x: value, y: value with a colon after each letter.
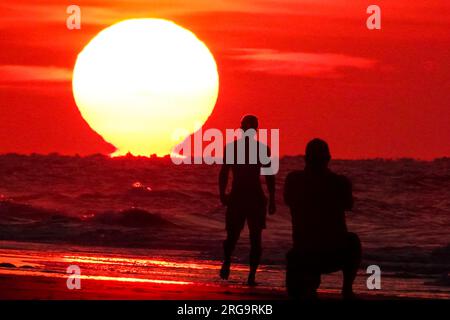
x: 140, y: 81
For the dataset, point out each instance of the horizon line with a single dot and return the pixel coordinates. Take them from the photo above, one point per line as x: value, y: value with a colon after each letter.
x: 167, y: 156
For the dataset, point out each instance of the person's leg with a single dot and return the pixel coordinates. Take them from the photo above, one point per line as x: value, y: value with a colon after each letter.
x: 234, y: 221
x: 228, y: 247
x: 312, y: 283
x: 351, y: 264
x: 302, y: 278
x: 255, y: 253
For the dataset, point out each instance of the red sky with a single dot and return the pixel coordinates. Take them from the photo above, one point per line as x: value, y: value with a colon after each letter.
x: 308, y: 67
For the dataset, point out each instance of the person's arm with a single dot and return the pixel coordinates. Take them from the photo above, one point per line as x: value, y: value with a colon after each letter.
x: 270, y: 181
x: 223, y: 179
x: 223, y: 182
x: 348, y: 195
x: 288, y: 190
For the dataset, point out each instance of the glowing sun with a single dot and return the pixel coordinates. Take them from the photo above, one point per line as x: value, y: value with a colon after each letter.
x: 138, y: 81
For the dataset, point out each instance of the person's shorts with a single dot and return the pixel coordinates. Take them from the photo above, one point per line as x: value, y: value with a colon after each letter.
x: 254, y: 212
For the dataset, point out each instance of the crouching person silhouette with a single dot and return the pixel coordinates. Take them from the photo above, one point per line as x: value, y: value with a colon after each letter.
x: 318, y: 199
x: 246, y: 201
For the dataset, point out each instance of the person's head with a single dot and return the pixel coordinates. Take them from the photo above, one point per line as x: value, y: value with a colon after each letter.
x: 249, y: 121
x: 317, y: 154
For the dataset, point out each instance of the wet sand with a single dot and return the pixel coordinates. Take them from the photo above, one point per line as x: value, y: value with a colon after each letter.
x: 22, y: 287
x: 19, y: 287
x: 41, y: 271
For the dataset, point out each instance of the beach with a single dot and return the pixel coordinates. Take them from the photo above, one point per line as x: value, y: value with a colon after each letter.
x: 41, y: 272
x: 130, y: 218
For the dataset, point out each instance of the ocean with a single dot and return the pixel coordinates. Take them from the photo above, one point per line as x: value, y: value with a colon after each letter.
x: 141, y: 218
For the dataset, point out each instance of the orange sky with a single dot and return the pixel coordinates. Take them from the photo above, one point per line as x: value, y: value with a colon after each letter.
x: 308, y: 67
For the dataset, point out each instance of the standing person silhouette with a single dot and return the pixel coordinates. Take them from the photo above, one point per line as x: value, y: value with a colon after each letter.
x: 246, y: 201
x: 318, y: 199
